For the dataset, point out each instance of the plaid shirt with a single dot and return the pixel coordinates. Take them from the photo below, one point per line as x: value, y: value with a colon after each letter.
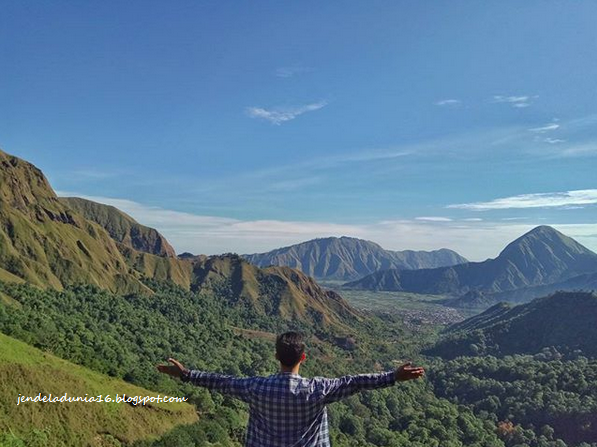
x: 287, y: 410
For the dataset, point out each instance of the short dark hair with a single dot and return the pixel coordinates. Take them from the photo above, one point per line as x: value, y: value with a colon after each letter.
x: 290, y: 347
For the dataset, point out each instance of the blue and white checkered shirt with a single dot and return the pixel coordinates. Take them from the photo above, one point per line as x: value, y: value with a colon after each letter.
x: 287, y: 410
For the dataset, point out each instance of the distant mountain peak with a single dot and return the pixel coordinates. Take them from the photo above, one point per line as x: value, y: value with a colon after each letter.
x: 346, y: 258
x: 541, y: 256
x: 542, y: 236
x: 542, y: 231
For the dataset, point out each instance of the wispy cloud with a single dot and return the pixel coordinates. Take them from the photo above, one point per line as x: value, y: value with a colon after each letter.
x: 433, y: 219
x: 279, y: 115
x: 448, y: 102
x: 294, y: 184
x: 290, y: 71
x: 91, y: 174
x: 515, y: 101
x: 553, y: 140
x: 539, y: 200
x: 578, y: 150
x: 546, y: 128
x: 333, y: 161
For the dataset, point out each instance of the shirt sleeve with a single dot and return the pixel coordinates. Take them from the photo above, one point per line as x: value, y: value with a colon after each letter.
x: 342, y: 387
x: 234, y: 386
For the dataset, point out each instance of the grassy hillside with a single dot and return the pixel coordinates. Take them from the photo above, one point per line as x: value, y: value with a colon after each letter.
x: 46, y: 243
x: 29, y: 371
x: 276, y: 291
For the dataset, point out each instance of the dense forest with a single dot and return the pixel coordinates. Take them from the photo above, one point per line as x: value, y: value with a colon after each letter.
x: 543, y: 401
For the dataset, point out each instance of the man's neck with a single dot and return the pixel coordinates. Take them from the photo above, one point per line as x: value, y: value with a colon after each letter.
x: 290, y: 369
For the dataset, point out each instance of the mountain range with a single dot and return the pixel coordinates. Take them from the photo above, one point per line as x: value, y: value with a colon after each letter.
x: 541, y: 257
x: 564, y: 320
x: 55, y: 242
x: 346, y: 258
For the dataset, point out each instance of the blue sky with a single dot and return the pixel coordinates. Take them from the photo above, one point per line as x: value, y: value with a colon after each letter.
x: 244, y: 126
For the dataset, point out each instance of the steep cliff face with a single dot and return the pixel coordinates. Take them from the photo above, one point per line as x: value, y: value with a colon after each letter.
x: 122, y: 227
x: 48, y: 244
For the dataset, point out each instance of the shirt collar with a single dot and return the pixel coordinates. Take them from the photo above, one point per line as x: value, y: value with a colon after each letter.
x: 287, y: 373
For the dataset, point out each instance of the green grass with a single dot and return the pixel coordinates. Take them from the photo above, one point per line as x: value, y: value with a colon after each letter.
x: 7, y: 300
x: 28, y: 371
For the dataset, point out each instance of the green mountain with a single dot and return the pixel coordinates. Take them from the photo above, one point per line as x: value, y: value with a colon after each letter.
x: 121, y: 227
x: 48, y: 244
x: 28, y: 371
x: 540, y: 257
x: 276, y: 291
x: 347, y: 258
x: 564, y: 320
x: 52, y: 242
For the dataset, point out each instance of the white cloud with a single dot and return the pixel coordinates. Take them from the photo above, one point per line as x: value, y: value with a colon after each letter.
x: 546, y: 128
x: 294, y: 184
x: 448, y: 102
x: 553, y: 140
x: 473, y: 219
x: 434, y: 219
x: 540, y: 200
x: 578, y: 150
x: 213, y: 234
x: 280, y: 115
x: 515, y: 101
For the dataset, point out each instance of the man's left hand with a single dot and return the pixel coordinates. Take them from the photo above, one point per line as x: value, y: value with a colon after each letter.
x: 175, y: 369
x: 409, y: 372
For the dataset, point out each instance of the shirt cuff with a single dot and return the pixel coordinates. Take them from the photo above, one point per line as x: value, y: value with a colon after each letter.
x: 186, y: 375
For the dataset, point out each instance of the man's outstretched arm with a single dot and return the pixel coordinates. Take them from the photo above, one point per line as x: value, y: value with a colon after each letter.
x: 336, y: 389
x: 235, y: 386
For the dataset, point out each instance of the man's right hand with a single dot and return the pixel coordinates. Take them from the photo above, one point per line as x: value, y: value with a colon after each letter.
x: 175, y: 369
x: 409, y: 372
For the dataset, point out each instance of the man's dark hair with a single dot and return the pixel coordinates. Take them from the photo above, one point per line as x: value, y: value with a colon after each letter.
x: 290, y: 348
